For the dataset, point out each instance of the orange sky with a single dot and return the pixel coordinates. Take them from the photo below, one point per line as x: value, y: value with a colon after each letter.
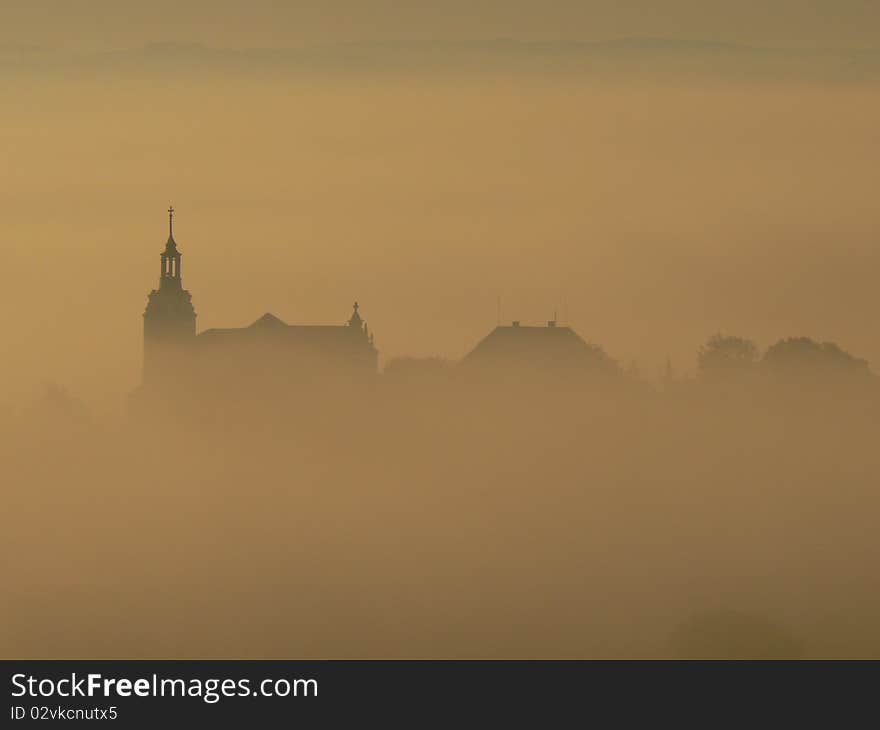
x: 654, y: 211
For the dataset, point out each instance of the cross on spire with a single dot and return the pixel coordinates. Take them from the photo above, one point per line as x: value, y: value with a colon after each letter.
x: 170, y: 220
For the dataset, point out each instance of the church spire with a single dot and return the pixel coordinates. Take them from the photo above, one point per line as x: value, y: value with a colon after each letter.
x: 170, y: 256
x: 169, y: 319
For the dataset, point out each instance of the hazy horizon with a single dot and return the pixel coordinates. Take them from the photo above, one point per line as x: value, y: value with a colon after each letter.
x: 654, y: 214
x: 651, y: 176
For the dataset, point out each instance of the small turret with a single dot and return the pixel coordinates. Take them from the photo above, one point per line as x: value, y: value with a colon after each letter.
x: 355, y: 320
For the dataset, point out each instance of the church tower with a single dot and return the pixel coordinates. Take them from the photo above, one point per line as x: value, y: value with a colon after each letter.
x: 169, y: 320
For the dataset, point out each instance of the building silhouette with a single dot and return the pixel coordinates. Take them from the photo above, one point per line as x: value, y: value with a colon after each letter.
x: 267, y: 353
x: 549, y: 350
x: 272, y: 356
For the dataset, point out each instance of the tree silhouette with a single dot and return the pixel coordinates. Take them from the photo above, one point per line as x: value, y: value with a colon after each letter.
x: 726, y: 355
x: 801, y: 354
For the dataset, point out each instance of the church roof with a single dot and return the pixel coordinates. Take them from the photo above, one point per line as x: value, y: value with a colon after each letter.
x: 271, y: 329
x: 268, y: 320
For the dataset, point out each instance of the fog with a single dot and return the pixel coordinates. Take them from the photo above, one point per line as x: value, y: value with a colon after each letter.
x: 647, y: 216
x: 445, y: 518
x: 440, y: 517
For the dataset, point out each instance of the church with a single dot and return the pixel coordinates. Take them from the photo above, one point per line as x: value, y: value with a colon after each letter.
x: 267, y: 353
